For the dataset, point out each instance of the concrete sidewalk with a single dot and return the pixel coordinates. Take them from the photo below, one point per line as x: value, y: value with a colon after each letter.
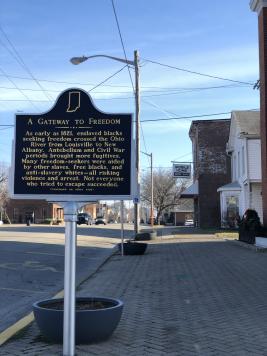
x: 183, y: 297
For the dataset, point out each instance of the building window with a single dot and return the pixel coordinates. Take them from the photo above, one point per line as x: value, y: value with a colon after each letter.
x: 238, y: 164
x: 232, y: 210
x: 234, y: 168
x: 243, y: 160
x: 16, y: 214
x: 44, y: 213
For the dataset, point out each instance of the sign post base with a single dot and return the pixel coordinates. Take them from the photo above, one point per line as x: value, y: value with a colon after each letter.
x: 70, y: 218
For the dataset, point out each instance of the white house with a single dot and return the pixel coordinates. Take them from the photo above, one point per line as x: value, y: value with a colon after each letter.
x: 244, y: 147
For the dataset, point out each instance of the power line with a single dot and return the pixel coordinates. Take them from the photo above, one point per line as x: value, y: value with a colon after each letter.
x: 187, y: 117
x: 142, y: 133
x: 15, y: 85
x: 164, y: 91
x: 123, y: 47
x: 193, y: 116
x: 149, y: 120
x: 163, y: 119
x: 116, y: 86
x: 185, y: 155
x: 166, y: 112
x: 19, y: 59
x: 197, y: 73
x: 186, y: 91
x: 105, y: 80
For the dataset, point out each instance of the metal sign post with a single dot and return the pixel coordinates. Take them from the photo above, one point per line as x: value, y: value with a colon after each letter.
x: 70, y: 217
x: 122, y: 228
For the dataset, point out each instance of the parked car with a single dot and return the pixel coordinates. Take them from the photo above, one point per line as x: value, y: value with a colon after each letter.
x: 100, y: 220
x: 112, y: 221
x: 84, y: 218
x: 189, y: 222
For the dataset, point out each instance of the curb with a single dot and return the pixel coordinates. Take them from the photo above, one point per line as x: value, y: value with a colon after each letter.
x: 29, y: 318
x: 247, y: 246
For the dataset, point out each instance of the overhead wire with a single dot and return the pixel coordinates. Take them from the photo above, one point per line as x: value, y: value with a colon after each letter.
x: 116, y: 86
x: 108, y: 78
x: 193, y: 116
x: 121, y: 39
x: 46, y: 101
x: 164, y: 92
x: 197, y: 73
x: 20, y: 60
x: 166, y: 112
x: 143, y: 137
x: 22, y: 93
x: 125, y: 56
x: 185, y: 155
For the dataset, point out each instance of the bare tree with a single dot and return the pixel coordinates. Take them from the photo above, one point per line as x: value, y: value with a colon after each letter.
x: 114, y: 212
x: 167, y: 190
x: 4, y: 196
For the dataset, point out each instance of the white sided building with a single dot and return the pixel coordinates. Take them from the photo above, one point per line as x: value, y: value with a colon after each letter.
x: 244, y: 147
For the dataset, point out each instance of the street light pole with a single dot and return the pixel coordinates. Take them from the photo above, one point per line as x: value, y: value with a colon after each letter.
x: 137, y: 139
x: 152, y: 189
x: 135, y: 64
x: 152, y: 194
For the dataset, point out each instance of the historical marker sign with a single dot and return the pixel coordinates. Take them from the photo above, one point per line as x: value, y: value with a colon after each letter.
x: 73, y: 152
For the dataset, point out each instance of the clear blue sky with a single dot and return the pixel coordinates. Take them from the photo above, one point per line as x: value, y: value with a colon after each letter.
x: 215, y: 37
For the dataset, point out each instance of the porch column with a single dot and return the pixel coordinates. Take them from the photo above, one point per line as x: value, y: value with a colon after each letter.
x: 260, y: 6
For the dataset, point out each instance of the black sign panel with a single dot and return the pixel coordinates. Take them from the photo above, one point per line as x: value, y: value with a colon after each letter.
x: 74, y: 149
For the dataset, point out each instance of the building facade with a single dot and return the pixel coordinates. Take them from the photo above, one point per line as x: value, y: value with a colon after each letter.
x: 211, y: 169
x: 244, y: 147
x: 38, y: 211
x: 183, y: 211
x: 18, y: 211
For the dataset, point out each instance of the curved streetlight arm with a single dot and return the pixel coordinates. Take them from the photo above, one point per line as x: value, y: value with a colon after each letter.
x: 78, y: 60
x: 135, y: 64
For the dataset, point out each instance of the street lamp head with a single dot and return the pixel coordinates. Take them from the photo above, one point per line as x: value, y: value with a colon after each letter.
x: 78, y: 60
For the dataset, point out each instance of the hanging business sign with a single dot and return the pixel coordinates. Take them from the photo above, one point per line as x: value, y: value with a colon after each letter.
x: 73, y: 152
x: 181, y: 170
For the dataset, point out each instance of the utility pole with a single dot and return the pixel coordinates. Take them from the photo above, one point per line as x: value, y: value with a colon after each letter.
x: 137, y: 139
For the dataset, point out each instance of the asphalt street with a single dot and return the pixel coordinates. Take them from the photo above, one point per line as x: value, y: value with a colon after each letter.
x: 32, y: 262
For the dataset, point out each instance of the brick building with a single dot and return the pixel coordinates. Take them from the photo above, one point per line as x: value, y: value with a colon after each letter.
x: 39, y: 211
x: 211, y: 169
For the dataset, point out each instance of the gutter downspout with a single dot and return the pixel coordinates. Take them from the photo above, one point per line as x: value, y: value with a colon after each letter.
x: 248, y: 176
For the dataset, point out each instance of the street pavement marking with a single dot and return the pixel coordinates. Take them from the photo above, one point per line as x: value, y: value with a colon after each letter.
x: 21, y: 324
x: 55, y: 254
x: 15, y: 328
x: 45, y: 253
x: 28, y: 319
x: 22, y: 290
x: 35, y: 265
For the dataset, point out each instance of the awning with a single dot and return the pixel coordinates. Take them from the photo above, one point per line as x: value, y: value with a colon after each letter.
x: 234, y: 186
x: 191, y: 191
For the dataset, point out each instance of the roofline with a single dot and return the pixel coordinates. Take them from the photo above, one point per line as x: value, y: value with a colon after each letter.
x: 200, y: 121
x: 249, y: 136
